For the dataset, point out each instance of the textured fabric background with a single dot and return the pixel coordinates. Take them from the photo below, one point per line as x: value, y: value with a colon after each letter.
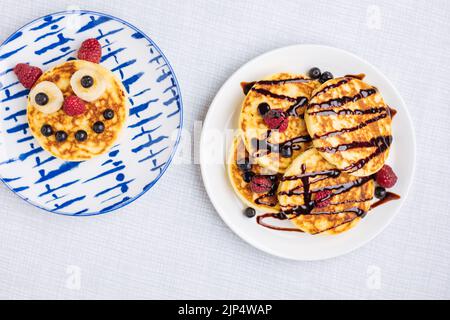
x: 171, y: 243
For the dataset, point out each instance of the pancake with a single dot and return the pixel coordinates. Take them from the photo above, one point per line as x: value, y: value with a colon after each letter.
x: 285, y: 91
x: 113, y: 97
x: 344, y: 199
x: 350, y: 125
x: 267, y: 201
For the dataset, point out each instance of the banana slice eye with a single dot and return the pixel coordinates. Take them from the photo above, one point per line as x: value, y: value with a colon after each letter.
x: 87, y: 84
x: 46, y: 97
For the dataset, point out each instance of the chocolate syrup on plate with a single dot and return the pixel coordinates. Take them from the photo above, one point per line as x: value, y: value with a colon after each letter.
x: 246, y: 86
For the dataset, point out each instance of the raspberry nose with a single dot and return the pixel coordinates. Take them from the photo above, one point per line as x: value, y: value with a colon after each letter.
x: 74, y: 106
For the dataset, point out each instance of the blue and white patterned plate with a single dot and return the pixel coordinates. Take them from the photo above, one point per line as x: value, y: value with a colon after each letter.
x: 147, y: 145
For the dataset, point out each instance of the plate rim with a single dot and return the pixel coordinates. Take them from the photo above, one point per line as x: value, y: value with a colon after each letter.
x: 178, y: 138
x: 254, y: 242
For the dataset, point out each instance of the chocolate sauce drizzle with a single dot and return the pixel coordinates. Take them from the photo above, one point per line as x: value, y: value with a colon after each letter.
x: 345, y: 130
x: 378, y: 142
x: 331, y: 86
x: 268, y: 147
x: 389, y: 197
x: 309, y: 205
x: 381, y: 144
x: 298, y: 102
x: 346, y: 112
x: 361, y: 162
x: 246, y: 86
x: 344, y: 100
x: 294, y: 110
x: 359, y: 76
x: 392, y: 112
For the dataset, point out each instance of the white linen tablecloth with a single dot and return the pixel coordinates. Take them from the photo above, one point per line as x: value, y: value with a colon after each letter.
x: 171, y: 243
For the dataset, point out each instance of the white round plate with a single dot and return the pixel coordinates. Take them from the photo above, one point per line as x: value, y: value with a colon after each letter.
x: 148, y: 142
x: 223, y: 115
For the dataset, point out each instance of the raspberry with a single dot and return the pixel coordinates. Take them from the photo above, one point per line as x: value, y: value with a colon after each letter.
x: 74, y: 106
x: 27, y: 74
x: 276, y: 119
x: 261, y: 184
x: 319, y: 196
x: 386, y: 177
x: 90, y: 50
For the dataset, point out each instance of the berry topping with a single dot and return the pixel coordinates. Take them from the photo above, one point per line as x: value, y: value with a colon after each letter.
x: 263, y: 108
x: 98, y: 127
x: 90, y: 50
x: 249, y: 212
x: 322, y: 198
x: 261, y: 184
x: 386, y: 177
x: 380, y: 192
x: 74, y: 106
x: 81, y: 135
x: 60, y: 136
x: 87, y: 81
x: 276, y: 119
x: 27, y: 74
x: 247, y: 176
x: 286, y: 151
x: 314, y: 73
x: 46, y: 130
x: 108, y: 114
x: 327, y: 75
x: 41, y: 99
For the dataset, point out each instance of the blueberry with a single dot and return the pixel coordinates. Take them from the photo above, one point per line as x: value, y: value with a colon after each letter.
x: 87, y: 81
x: 41, y: 99
x: 108, y: 114
x: 60, y: 136
x: 98, y: 127
x: 249, y: 212
x: 263, y: 108
x: 81, y: 135
x: 286, y: 151
x: 247, y: 176
x: 244, y: 164
x: 327, y: 75
x: 314, y: 73
x: 46, y: 130
x: 380, y: 192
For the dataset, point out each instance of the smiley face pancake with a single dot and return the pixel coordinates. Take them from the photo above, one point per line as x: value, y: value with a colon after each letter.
x: 350, y: 125
x: 319, y: 198
x: 254, y: 185
x: 77, y: 110
x: 272, y: 119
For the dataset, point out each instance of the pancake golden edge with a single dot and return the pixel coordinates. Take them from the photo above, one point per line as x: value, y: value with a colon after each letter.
x: 240, y: 187
x: 280, y: 92
x: 346, y: 207
x: 114, y: 97
x: 350, y: 125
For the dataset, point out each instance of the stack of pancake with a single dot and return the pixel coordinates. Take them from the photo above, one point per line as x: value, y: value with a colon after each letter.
x: 338, y: 136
